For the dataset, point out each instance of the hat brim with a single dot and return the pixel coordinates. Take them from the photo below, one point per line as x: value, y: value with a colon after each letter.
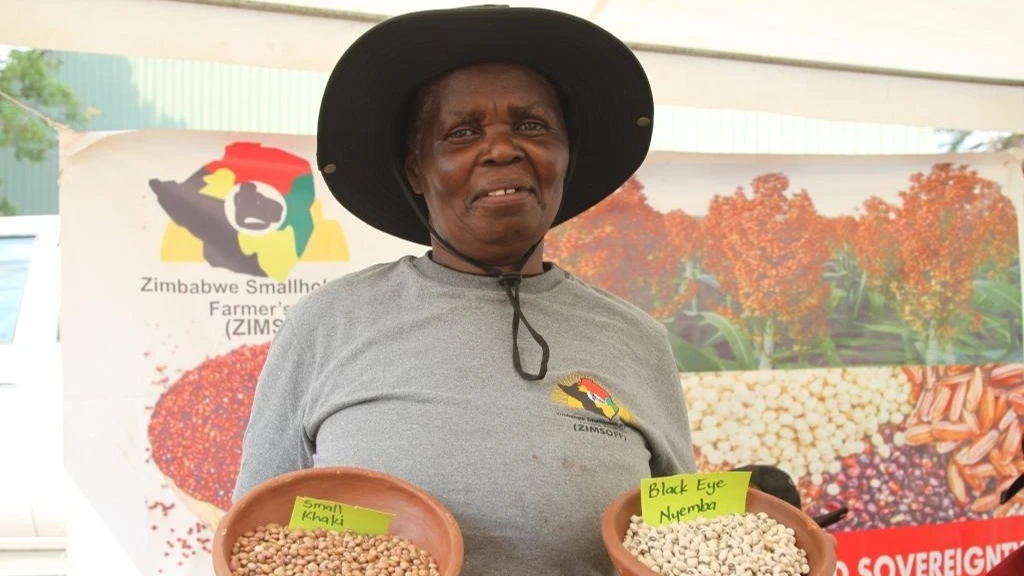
x: 361, y: 114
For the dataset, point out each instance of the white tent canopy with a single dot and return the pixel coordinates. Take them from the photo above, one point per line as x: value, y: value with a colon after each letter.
x: 941, y: 63
x: 928, y: 63
x: 950, y: 37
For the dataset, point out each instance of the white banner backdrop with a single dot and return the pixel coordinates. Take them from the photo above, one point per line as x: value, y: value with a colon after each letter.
x: 182, y: 251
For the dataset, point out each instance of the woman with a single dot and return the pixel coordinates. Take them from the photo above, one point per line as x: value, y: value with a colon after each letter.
x: 474, y: 131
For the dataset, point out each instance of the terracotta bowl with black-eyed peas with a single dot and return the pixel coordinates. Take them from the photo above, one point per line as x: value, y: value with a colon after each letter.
x: 818, y: 545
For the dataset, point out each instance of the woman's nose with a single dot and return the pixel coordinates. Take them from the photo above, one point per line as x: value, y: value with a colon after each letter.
x: 501, y: 148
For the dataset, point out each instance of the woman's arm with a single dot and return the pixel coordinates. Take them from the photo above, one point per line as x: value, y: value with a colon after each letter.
x: 672, y: 447
x: 276, y: 441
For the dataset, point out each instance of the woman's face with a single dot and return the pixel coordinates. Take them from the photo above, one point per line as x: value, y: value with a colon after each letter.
x: 489, y: 154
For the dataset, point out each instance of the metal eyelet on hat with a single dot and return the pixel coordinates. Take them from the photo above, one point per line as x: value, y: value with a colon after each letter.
x: 330, y: 168
x: 643, y: 121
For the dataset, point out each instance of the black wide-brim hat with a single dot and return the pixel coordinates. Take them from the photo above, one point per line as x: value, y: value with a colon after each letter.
x: 364, y: 117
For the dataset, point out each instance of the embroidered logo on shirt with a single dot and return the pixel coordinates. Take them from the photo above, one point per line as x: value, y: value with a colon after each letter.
x: 583, y: 391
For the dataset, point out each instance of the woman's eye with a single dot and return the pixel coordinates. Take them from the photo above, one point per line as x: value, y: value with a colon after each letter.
x: 531, y: 125
x: 460, y: 133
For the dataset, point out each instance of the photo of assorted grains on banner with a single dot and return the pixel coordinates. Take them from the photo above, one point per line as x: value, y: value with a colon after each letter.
x: 874, y: 357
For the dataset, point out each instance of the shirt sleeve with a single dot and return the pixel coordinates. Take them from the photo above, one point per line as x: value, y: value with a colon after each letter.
x: 275, y: 440
x: 671, y: 444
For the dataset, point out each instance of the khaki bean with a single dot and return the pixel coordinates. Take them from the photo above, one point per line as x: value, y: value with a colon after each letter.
x: 274, y: 550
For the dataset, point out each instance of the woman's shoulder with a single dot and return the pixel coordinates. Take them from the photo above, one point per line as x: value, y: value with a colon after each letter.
x: 592, y: 299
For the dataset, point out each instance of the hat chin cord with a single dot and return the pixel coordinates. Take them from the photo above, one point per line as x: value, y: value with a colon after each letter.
x: 510, y: 281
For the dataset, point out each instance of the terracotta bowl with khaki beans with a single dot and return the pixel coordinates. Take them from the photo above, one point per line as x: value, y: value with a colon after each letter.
x: 773, y: 537
x: 253, y: 538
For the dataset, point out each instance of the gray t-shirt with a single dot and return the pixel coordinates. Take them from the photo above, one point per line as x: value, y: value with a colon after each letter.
x: 406, y: 368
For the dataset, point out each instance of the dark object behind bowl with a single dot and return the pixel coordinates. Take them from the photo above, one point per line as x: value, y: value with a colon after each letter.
x: 419, y: 518
x: 773, y: 481
x: 778, y: 483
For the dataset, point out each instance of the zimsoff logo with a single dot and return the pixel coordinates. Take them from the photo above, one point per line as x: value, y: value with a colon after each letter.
x: 591, y: 405
x: 254, y: 212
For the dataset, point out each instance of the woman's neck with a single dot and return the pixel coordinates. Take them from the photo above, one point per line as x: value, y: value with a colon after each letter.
x: 533, y: 266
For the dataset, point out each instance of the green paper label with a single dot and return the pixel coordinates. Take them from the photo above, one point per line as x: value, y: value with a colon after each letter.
x: 688, y: 496
x: 311, y: 513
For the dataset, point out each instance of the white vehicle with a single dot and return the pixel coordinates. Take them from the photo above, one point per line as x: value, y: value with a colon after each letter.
x: 33, y: 485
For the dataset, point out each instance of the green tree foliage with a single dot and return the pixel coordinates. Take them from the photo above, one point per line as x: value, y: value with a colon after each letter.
x: 30, y: 76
